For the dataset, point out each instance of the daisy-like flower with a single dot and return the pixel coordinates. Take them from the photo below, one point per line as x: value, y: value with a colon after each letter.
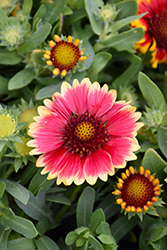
x: 64, y: 55
x: 136, y: 192
x: 83, y: 133
x: 154, y: 24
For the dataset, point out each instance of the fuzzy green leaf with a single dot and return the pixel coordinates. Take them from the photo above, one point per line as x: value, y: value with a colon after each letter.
x: 35, y: 207
x: 124, y: 40
x: 85, y: 207
x: 97, y: 218
x: 17, y: 191
x: 48, y: 91
x: 151, y: 92
x: 162, y: 140
x: 39, y: 181
x: 21, y: 79
x: 54, y: 10
x: 9, y: 57
x: 20, y: 244
x: 45, y: 243
x: 122, y: 226
x: 2, y: 188
x: 154, y: 163
x: 4, y: 234
x: 20, y: 225
x: 121, y: 23
x: 126, y: 8
x: 95, y: 243
x: 100, y: 60
x: 27, y: 6
x: 58, y: 198
x: 35, y: 39
x: 96, y: 24
x: 71, y: 238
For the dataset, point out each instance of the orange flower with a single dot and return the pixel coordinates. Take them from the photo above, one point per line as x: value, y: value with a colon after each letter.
x: 154, y: 24
x: 137, y: 191
x: 64, y: 55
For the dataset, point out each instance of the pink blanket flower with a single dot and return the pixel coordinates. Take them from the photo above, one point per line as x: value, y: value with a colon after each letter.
x: 83, y: 133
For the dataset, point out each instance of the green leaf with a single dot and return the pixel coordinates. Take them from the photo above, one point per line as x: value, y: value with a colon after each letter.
x: 21, y: 244
x: 97, y: 218
x: 54, y: 10
x: 124, y: 40
x: 58, y: 198
x: 130, y: 73
x: 121, y: 23
x: 154, y: 163
x: 9, y: 57
x: 106, y: 239
x: 17, y: 191
x: 4, y: 234
x: 85, y: 207
x: 27, y: 6
x: 3, y: 17
x: 126, y: 8
x: 71, y: 238
x: 45, y: 243
x: 20, y: 225
x: 96, y: 24
x: 100, y: 60
x: 157, y: 231
x: 35, y: 39
x: 21, y: 79
x: 48, y: 91
x: 35, y: 208
x: 103, y: 228
x: 40, y: 14
x: 95, y: 243
x: 39, y: 181
x: 122, y: 226
x: 162, y: 140
x: 151, y: 92
x: 3, y: 86
x: 2, y: 188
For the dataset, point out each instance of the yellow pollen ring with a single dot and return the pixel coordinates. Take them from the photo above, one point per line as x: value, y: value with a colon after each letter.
x: 84, y: 131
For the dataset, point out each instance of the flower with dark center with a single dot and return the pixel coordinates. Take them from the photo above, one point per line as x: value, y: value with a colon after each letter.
x: 83, y: 133
x: 154, y: 24
x: 64, y: 55
x: 136, y: 192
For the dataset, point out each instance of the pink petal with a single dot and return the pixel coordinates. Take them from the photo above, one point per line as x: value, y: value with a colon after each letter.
x: 47, y: 133
x: 98, y: 163
x: 123, y: 122
x: 100, y: 101
x: 121, y: 149
x: 70, y: 170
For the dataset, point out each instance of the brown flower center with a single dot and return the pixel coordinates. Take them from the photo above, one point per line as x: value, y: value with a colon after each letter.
x: 137, y: 190
x: 158, y: 28
x: 85, y: 133
x: 65, y: 55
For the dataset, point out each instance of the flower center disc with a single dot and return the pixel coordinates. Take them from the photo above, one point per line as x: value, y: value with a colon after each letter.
x: 65, y: 55
x: 137, y: 190
x: 84, y: 134
x: 84, y: 131
x: 158, y: 28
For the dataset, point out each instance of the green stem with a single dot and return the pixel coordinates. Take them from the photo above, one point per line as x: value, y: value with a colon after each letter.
x: 8, y: 172
x: 102, y: 37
